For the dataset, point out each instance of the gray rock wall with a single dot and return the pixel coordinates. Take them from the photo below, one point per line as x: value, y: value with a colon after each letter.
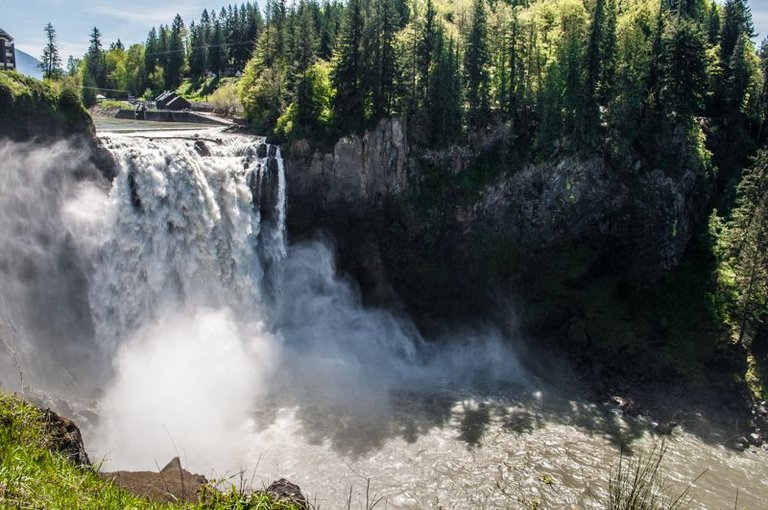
x: 361, y: 171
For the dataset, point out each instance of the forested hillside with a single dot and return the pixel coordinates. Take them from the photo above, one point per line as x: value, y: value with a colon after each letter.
x: 567, y: 74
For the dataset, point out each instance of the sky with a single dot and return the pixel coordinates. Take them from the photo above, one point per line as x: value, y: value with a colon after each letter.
x: 131, y: 20
x: 760, y: 17
x: 73, y: 20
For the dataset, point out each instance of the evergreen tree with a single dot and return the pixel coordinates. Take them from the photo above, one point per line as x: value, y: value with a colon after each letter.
x: 95, y: 57
x: 162, y: 47
x: 425, y: 49
x: 279, y: 15
x: 600, y: 54
x: 713, y: 23
x: 348, y: 105
x: 232, y: 34
x: 445, y: 98
x: 514, y: 66
x: 763, y: 105
x: 745, y: 250
x: 255, y: 21
x: 73, y: 65
x: 306, y: 40
x: 476, y: 62
x: 737, y: 22
x: 50, y: 62
x: 608, y: 54
x: 151, y: 50
x: 205, y: 23
x: 656, y: 64
x: 570, y: 55
x: 384, y: 64
x: 198, y: 54
x: 329, y: 27
x: 176, y: 54
x: 401, y: 14
x: 217, y: 54
x: 740, y: 77
x: 685, y: 73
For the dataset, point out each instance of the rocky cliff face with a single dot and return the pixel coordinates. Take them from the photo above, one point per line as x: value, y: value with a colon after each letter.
x: 367, y: 180
x: 446, y: 234
x: 542, y: 206
x: 360, y: 174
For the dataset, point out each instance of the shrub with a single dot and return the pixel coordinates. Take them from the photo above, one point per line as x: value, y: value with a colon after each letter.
x: 226, y: 100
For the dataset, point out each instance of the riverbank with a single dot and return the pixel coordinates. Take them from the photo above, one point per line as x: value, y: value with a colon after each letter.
x: 43, y: 464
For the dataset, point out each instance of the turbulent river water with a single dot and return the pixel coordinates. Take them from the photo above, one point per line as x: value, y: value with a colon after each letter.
x: 172, y: 316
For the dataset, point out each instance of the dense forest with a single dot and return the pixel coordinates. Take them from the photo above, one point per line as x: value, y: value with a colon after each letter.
x: 567, y: 74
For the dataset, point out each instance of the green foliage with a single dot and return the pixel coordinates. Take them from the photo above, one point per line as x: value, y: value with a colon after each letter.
x: 348, y: 71
x: 176, y: 58
x: 476, y: 62
x: 94, y: 60
x: 226, y: 99
x: 33, y: 476
x: 743, y: 249
x: 262, y: 90
x: 50, y: 62
x: 156, y: 80
x: 309, y: 115
x: 29, y: 107
x: 685, y: 74
x: 742, y: 79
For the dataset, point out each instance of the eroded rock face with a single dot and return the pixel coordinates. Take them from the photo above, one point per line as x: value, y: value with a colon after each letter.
x: 360, y: 172
x: 368, y: 192
x: 541, y: 206
x: 546, y: 204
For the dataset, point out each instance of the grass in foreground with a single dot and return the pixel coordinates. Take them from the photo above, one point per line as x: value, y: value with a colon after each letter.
x: 33, y: 477
x: 639, y: 484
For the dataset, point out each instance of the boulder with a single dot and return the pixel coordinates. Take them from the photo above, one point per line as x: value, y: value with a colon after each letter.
x: 64, y: 437
x: 741, y: 443
x: 283, y: 490
x: 202, y: 149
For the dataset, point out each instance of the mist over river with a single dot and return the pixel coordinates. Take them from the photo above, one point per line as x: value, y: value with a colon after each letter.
x: 170, y: 315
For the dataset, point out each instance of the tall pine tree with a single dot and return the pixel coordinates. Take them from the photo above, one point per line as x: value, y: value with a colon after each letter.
x: 50, y: 62
x: 347, y: 79
x: 476, y: 63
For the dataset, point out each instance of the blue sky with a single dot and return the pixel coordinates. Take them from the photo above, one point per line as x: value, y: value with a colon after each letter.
x: 130, y: 20
x: 73, y: 20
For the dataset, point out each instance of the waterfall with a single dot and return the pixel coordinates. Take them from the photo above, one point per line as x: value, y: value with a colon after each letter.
x: 175, y: 301
x: 188, y: 230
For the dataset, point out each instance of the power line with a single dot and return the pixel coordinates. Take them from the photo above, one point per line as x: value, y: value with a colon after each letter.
x: 206, y: 46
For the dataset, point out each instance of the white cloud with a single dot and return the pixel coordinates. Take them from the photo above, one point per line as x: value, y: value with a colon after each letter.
x: 149, y: 15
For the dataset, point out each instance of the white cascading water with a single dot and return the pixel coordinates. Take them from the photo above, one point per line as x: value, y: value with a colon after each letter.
x: 206, y: 312
x: 175, y: 304
x: 185, y: 232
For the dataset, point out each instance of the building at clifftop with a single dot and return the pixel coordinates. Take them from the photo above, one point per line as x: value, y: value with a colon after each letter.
x: 7, y: 53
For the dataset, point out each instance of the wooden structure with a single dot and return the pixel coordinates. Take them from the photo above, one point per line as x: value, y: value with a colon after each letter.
x: 172, y: 101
